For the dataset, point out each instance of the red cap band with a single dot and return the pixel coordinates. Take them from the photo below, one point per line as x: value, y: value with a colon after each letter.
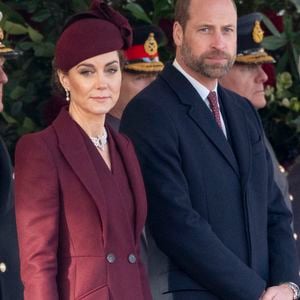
x: 137, y: 52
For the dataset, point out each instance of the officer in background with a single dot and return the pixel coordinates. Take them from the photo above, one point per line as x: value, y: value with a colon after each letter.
x: 142, y: 64
x: 247, y: 78
x: 10, y: 283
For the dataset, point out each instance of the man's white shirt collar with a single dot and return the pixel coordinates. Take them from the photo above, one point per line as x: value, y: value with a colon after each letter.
x: 201, y: 90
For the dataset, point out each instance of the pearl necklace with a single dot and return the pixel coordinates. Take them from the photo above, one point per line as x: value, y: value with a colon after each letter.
x: 100, y: 141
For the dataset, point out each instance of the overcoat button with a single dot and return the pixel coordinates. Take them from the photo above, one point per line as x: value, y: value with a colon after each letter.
x: 2, y: 267
x: 111, y: 258
x: 132, y: 258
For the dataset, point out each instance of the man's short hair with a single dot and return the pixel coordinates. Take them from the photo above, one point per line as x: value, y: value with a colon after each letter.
x: 182, y: 11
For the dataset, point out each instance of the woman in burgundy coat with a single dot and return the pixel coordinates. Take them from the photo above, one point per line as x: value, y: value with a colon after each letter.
x: 80, y: 201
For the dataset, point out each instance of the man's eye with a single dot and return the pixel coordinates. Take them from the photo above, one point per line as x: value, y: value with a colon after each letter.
x: 252, y: 67
x: 139, y: 78
x: 228, y: 29
x: 204, y: 29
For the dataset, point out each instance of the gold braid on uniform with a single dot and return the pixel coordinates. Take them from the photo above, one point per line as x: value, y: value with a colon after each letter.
x: 258, y: 58
x: 145, y: 67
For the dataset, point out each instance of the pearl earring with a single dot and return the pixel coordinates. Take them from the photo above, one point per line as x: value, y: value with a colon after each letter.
x: 67, y: 95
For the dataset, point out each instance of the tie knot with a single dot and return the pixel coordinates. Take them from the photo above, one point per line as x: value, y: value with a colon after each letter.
x: 212, y: 98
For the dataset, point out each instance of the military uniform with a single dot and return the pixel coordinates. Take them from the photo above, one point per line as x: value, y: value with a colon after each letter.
x: 10, y: 283
x: 141, y: 59
x: 251, y: 52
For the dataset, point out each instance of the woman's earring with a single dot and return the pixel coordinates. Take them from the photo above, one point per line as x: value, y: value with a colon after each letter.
x: 67, y: 95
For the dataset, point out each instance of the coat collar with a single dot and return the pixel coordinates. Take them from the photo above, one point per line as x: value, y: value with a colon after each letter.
x: 73, y: 147
x: 199, y: 112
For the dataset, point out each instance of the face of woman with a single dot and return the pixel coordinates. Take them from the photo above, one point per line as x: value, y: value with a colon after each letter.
x: 94, y: 85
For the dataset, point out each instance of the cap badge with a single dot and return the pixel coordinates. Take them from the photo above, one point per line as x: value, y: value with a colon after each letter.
x: 150, y: 45
x: 257, y: 33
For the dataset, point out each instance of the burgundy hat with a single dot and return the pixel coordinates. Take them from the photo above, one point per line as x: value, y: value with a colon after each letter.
x: 97, y: 31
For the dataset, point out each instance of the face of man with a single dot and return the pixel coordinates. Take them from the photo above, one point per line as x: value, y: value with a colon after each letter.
x: 131, y: 85
x: 3, y: 80
x: 206, y: 48
x: 248, y: 81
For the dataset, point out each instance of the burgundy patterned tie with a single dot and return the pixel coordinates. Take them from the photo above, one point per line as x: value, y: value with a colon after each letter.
x: 213, y: 104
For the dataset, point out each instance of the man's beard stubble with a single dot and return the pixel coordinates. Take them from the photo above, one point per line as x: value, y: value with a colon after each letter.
x: 198, y: 65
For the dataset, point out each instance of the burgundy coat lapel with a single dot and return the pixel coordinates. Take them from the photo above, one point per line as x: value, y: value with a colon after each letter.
x: 72, y: 146
x: 132, y: 169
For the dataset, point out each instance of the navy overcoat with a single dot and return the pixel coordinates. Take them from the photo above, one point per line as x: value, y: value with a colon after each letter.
x: 219, y: 222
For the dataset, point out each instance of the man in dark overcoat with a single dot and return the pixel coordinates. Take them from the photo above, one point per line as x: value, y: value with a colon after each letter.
x: 219, y: 227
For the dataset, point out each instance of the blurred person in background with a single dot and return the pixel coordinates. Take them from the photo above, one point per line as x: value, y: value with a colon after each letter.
x: 247, y: 78
x: 141, y: 66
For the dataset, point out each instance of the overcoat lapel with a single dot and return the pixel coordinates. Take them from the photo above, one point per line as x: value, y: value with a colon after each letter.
x: 135, y: 180
x: 199, y: 112
x: 239, y: 132
x: 72, y: 146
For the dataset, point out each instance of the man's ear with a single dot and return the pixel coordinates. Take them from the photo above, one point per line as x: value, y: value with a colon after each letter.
x: 177, y: 34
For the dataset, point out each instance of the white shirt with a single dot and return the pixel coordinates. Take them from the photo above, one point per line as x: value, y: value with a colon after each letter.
x: 201, y: 90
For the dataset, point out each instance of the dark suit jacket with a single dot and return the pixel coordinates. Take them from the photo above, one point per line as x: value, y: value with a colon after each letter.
x: 214, y: 209
x: 10, y: 283
x: 70, y: 243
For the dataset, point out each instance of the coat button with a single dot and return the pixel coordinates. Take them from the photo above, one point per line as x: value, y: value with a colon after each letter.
x: 111, y: 258
x: 132, y: 258
x: 2, y: 267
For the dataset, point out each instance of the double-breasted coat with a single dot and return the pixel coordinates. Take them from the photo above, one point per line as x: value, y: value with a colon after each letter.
x: 74, y: 243
x: 220, y: 227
